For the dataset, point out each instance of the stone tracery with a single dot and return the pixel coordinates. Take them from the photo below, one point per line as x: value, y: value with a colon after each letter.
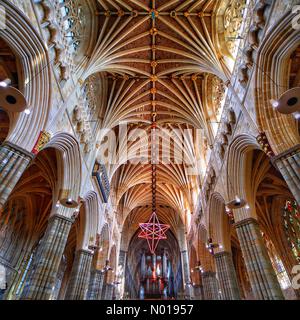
x: 233, y: 20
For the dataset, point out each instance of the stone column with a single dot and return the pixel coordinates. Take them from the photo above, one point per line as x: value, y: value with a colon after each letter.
x: 96, y: 285
x: 13, y: 163
x: 227, y: 276
x: 288, y: 163
x: 264, y: 283
x: 186, y: 275
x: 42, y: 278
x: 105, y: 285
x: 198, y: 292
x: 59, y: 279
x: 80, y: 276
x: 109, y: 288
x: 165, y: 264
x: 119, y: 290
x: 210, y: 286
x: 201, y: 290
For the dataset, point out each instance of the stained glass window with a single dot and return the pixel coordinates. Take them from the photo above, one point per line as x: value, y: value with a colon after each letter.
x: 277, y: 264
x: 291, y: 222
x: 24, y: 276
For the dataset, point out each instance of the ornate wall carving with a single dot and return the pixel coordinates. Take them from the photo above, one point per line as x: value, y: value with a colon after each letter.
x: 63, y: 26
x: 233, y: 20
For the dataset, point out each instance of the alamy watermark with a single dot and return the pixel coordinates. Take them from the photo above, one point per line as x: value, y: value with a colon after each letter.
x: 153, y: 146
x: 2, y: 18
x: 296, y: 19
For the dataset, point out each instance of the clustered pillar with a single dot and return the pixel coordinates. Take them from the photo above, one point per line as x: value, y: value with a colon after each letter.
x: 198, y: 292
x: 264, y: 283
x: 108, y: 286
x: 96, y: 285
x: 121, y: 275
x: 288, y: 164
x: 13, y: 163
x: 210, y: 286
x: 80, y: 276
x: 108, y: 291
x: 227, y: 276
x: 43, y: 276
x: 186, y: 275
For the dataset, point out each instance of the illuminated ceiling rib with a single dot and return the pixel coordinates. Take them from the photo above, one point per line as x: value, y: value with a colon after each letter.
x: 156, y: 56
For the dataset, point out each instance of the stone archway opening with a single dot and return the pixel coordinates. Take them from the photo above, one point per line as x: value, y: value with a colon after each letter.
x: 240, y: 268
x: 67, y: 262
x: 24, y: 219
x: 153, y: 276
x: 294, y: 73
x: 8, y: 71
x: 271, y: 197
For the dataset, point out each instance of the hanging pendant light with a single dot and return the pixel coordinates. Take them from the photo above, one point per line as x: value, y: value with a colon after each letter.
x: 289, y: 102
x: 237, y: 203
x: 153, y: 231
x: 11, y: 99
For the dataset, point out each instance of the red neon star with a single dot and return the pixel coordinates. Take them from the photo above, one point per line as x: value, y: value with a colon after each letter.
x: 153, y: 232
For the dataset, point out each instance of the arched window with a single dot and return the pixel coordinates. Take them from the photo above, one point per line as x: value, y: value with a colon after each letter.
x: 291, y: 222
x: 277, y: 264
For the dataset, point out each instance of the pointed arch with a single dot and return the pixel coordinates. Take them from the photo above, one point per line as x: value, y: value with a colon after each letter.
x: 239, y: 171
x: 204, y: 257
x: 35, y: 83
x: 272, y: 81
x: 102, y: 255
x: 69, y: 167
x: 219, y: 226
x: 90, y: 218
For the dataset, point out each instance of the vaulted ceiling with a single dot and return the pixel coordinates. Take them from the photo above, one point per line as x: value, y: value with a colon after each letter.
x: 158, y: 58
